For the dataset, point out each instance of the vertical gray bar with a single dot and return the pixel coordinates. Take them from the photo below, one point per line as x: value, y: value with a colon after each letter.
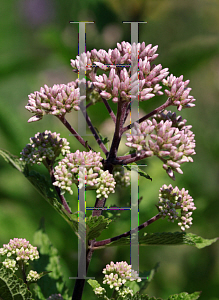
x: 81, y: 224
x: 134, y: 218
x: 82, y: 79
x: 134, y: 32
x: 134, y: 74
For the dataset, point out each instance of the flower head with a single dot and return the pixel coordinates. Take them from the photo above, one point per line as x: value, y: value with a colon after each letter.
x: 10, y: 264
x: 19, y: 250
x: 99, y: 291
x: 179, y: 92
x: 84, y: 168
x: 167, y: 137
x: 121, y: 177
x: 131, y: 71
x: 57, y: 100
x: 172, y: 199
x: 45, y: 145
x: 117, y: 274
x: 33, y: 276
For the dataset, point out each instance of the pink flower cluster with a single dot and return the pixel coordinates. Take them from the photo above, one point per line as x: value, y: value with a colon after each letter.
x: 172, y: 199
x: 20, y: 249
x: 123, y: 84
x: 179, y: 92
x: 117, y: 274
x: 84, y: 168
x: 57, y: 100
x: 166, y: 137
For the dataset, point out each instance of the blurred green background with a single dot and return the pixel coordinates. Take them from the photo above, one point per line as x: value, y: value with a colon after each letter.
x: 36, y: 45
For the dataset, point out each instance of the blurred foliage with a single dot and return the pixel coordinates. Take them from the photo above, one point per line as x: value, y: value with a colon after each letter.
x: 36, y: 45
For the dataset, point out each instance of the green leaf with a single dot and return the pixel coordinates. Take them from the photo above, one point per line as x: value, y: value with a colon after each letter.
x: 137, y: 296
x: 93, y: 283
x: 48, y: 192
x: 13, y: 160
x: 185, y: 296
x: 167, y: 238
x: 42, y: 185
x: 140, y: 172
x: 181, y: 296
x: 95, y: 225
x: 113, y: 215
x: 12, y: 287
x: 201, y: 242
x: 49, y: 260
x: 38, y: 293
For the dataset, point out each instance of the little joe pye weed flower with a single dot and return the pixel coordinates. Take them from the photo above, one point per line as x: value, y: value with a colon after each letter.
x: 116, y: 276
x: 19, y: 253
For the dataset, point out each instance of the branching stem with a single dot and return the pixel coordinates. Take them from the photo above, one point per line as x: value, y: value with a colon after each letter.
x: 155, y: 111
x: 118, y: 237
x: 74, y: 132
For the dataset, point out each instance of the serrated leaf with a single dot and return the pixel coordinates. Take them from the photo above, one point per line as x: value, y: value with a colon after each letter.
x: 167, y: 238
x: 95, y: 225
x: 45, y: 188
x: 49, y: 260
x: 12, y: 287
x: 201, y: 242
x: 140, y: 172
x: 185, y: 296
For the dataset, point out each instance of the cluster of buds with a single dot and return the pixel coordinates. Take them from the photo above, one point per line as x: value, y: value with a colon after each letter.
x: 57, y: 100
x: 84, y: 168
x: 33, y: 276
x: 18, y: 250
x: 117, y: 274
x: 45, y: 145
x: 122, y: 55
x: 172, y: 199
x: 170, y: 140
x: 10, y: 264
x: 179, y: 92
x: 121, y: 177
x: 141, y: 77
x: 99, y: 290
x: 125, y: 291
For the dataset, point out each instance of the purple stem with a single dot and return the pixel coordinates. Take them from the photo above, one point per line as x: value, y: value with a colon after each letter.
x: 127, y: 159
x: 118, y: 237
x: 155, y: 111
x: 71, y: 129
x: 109, y: 110
x: 62, y: 198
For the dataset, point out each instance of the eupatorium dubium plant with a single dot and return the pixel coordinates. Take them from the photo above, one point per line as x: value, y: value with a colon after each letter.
x: 122, y: 75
